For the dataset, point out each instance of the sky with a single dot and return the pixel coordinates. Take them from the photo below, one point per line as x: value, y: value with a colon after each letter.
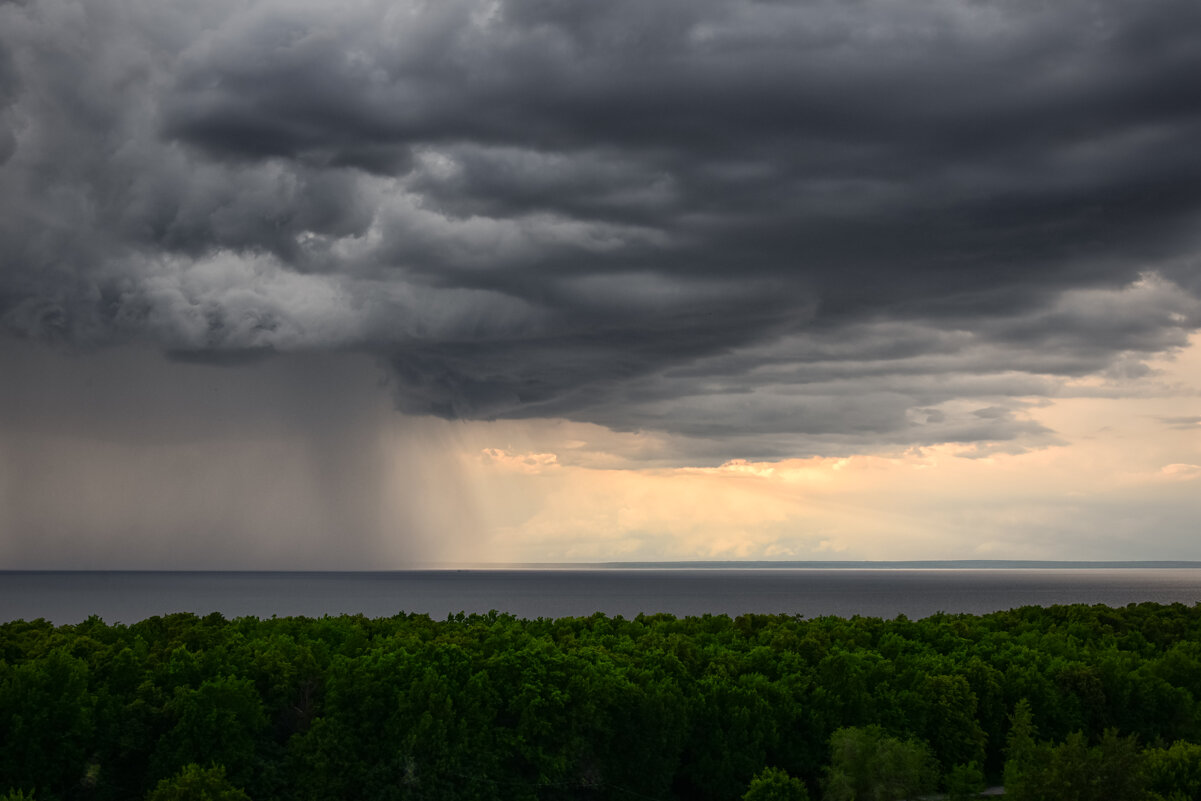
x: 290, y: 284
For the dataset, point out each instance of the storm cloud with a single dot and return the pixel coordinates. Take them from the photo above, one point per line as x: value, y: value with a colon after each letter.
x: 765, y: 228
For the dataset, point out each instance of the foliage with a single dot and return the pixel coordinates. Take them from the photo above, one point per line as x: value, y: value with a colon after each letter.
x: 194, y: 783
x: 1112, y: 770
x: 773, y: 784
x: 1022, y: 754
x: 1175, y: 770
x: 964, y: 782
x: 868, y: 765
x: 490, y: 706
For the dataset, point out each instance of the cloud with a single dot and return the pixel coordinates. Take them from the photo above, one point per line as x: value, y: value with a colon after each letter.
x: 765, y: 229
x: 1123, y: 488
x: 1181, y: 472
x: 1183, y: 422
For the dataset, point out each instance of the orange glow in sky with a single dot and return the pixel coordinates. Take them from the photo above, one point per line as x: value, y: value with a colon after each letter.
x: 1126, y: 466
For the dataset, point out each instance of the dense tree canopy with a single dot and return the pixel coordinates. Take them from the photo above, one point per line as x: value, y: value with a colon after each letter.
x: 708, y: 708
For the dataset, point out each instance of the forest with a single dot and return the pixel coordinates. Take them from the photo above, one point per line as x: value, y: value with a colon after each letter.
x: 1070, y: 703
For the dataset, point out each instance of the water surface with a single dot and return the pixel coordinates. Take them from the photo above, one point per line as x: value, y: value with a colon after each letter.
x: 69, y: 597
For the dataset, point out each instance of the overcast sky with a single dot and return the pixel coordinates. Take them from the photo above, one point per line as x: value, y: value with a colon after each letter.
x: 303, y: 284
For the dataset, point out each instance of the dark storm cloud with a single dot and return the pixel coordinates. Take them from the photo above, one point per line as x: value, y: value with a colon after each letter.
x: 799, y: 226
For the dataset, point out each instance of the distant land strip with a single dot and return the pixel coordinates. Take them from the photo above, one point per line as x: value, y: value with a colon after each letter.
x: 763, y: 564
x: 932, y: 564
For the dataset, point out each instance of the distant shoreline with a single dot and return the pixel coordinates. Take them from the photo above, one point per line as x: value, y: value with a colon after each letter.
x: 432, y: 567
x: 928, y: 564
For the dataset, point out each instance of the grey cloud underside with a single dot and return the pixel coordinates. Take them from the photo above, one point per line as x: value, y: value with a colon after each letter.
x: 767, y: 228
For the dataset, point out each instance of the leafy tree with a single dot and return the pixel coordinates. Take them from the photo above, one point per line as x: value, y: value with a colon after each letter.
x: 1121, y: 768
x: 773, y: 784
x: 732, y: 733
x: 964, y: 782
x: 868, y: 765
x: 46, y: 722
x: 194, y: 783
x: 1021, y: 753
x: 948, y: 720
x: 1175, y: 771
x: 222, y: 720
x: 1113, y: 770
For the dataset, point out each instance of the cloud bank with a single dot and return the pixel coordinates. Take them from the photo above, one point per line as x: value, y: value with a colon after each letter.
x: 766, y: 229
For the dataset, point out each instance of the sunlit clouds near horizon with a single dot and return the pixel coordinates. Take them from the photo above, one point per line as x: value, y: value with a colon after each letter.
x: 290, y: 285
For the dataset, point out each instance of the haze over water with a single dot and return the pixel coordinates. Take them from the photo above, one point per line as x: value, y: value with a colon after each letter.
x: 125, y: 597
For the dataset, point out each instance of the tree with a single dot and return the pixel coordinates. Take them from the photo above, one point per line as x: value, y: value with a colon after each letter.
x: 47, y: 729
x: 964, y: 782
x: 1113, y: 770
x: 1121, y: 767
x: 773, y: 784
x: 1175, y: 770
x: 221, y: 721
x: 947, y: 720
x: 868, y: 765
x: 1021, y: 753
x: 195, y: 783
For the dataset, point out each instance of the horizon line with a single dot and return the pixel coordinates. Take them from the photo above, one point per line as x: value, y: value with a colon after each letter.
x: 695, y: 564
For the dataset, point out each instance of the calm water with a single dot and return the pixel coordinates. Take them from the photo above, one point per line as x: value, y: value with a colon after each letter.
x: 69, y: 597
